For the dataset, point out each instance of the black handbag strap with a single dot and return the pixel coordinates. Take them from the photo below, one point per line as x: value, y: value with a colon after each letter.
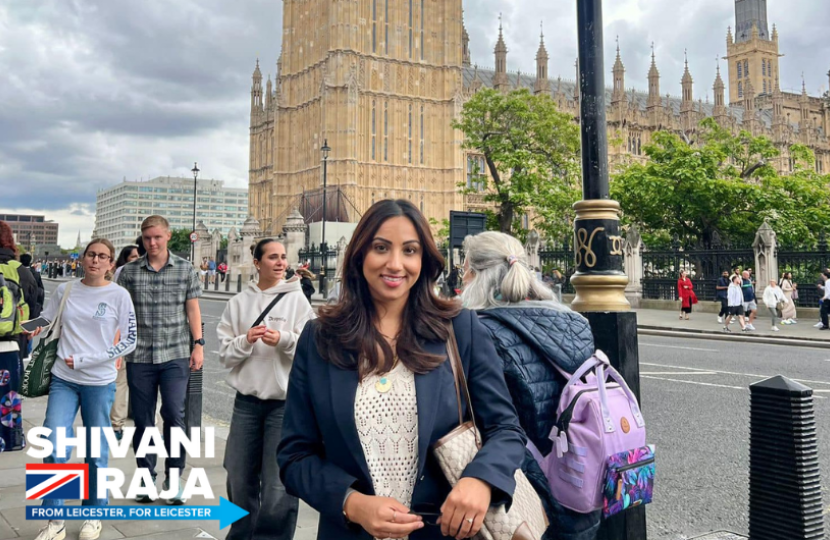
x: 267, y: 310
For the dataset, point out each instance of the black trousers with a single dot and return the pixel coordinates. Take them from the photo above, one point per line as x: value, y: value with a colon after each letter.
x: 825, y: 311
x: 145, y: 382
x: 724, y: 307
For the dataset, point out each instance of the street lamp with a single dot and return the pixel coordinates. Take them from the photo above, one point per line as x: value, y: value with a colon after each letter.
x: 195, y: 171
x: 323, y: 247
x: 599, y: 280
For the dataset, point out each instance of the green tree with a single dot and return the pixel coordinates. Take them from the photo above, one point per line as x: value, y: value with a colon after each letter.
x: 441, y: 235
x: 719, y: 186
x: 180, y: 241
x: 531, y: 151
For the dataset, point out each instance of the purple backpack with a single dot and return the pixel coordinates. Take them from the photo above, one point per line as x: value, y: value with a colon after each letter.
x: 599, y: 459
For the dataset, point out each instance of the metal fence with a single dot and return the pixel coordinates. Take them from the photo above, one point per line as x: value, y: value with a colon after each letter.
x: 313, y: 256
x: 559, y: 256
x: 661, y: 269
x: 806, y: 268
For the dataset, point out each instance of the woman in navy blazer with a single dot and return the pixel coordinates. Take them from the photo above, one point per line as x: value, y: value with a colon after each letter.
x: 333, y: 453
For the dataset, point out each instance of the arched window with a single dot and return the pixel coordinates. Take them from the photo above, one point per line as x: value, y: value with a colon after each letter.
x: 740, y: 70
x: 746, y: 68
x: 740, y: 89
x: 374, y: 128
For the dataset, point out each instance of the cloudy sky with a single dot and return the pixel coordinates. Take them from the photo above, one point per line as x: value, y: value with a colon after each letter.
x: 95, y: 91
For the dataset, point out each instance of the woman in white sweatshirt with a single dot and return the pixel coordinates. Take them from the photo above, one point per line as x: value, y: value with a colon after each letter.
x: 258, y: 335
x: 95, y: 311
x: 735, y: 299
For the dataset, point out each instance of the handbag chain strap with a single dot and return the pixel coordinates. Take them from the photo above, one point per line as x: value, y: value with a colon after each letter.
x: 460, y: 381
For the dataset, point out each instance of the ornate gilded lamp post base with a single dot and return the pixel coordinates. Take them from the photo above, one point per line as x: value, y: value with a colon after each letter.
x: 599, y: 281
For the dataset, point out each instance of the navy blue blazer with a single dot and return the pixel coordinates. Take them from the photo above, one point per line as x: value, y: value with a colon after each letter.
x: 320, y: 456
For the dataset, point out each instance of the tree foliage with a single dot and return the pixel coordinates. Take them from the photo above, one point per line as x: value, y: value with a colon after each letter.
x: 721, y: 187
x: 531, y: 152
x: 180, y: 241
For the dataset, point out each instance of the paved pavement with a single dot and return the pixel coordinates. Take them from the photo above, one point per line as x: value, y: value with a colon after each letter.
x: 696, y: 402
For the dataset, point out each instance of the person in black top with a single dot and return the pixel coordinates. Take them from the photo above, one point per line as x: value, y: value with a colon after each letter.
x: 722, y: 295
x: 39, y: 294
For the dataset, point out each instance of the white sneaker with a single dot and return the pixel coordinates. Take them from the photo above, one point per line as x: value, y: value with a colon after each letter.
x: 750, y: 326
x: 720, y: 320
x: 54, y: 530
x: 90, y: 530
x: 819, y: 325
x: 776, y: 329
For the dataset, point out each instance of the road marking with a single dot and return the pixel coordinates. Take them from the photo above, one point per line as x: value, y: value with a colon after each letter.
x: 695, y: 382
x: 698, y: 383
x: 681, y: 348
x: 804, y: 381
x: 678, y: 373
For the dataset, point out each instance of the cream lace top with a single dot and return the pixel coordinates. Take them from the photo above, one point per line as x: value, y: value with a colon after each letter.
x: 387, y: 423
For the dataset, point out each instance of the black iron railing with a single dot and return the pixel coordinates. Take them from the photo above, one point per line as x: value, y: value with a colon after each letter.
x: 661, y: 269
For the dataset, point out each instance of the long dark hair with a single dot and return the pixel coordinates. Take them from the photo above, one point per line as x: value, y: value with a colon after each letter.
x: 124, y: 255
x: 347, y: 336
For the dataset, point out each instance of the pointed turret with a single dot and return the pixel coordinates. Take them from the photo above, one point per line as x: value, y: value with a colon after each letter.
x: 618, y: 95
x: 653, y: 82
x: 688, y: 84
x: 720, y: 96
x: 465, y: 46
x: 778, y: 118
x: 500, y: 81
x: 774, y: 33
x: 755, y: 33
x: 269, y: 95
x: 804, y: 101
x: 256, y: 92
x: 729, y: 39
x: 542, y: 84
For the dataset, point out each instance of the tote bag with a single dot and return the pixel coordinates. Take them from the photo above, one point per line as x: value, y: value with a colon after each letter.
x: 38, y: 374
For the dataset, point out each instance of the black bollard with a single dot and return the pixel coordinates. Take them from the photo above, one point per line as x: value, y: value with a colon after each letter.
x: 239, y: 283
x: 216, y: 283
x: 193, y: 405
x: 784, y: 481
x: 227, y: 281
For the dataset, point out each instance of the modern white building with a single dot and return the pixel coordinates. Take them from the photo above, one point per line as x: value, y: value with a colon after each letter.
x: 120, y: 209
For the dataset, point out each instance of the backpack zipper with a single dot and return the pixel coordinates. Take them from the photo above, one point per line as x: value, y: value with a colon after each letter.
x: 567, y: 415
x: 618, y: 494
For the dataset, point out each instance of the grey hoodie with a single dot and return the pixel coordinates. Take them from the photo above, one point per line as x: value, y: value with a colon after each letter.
x: 260, y: 370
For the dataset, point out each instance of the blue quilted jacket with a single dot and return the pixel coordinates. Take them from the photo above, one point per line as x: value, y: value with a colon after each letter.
x: 529, y: 337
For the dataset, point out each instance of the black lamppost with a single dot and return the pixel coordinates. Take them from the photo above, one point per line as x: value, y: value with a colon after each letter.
x: 195, y: 171
x: 323, y: 247
x: 600, y: 281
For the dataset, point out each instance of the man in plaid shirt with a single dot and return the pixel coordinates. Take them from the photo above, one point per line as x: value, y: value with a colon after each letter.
x: 165, y: 291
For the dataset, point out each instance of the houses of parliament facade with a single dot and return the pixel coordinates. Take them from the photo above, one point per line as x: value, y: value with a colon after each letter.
x: 382, y: 80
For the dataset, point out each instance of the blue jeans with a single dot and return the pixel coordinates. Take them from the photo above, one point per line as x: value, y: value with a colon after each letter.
x: 253, y: 474
x: 95, y: 402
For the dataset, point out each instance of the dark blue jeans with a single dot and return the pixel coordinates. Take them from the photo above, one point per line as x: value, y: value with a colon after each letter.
x: 95, y: 402
x: 145, y: 381
x: 253, y: 475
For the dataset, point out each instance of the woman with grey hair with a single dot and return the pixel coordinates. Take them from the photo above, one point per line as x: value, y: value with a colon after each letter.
x: 534, y: 334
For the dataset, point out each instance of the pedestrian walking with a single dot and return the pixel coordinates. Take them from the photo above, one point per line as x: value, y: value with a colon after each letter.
x: 722, y: 295
x: 735, y: 298
x: 165, y: 290
x: 305, y: 281
x: 203, y: 270
x: 525, y: 322
x: 774, y: 300
x: 750, y: 306
x: 14, y: 310
x: 118, y: 413
x: 95, y: 314
x: 790, y: 290
x: 825, y: 303
x: 211, y: 270
x: 38, y: 292
x: 257, y: 338
x: 686, y: 294
x: 821, y: 290
x: 371, y: 392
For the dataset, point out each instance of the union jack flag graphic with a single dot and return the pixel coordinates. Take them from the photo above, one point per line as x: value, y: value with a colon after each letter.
x: 57, y: 481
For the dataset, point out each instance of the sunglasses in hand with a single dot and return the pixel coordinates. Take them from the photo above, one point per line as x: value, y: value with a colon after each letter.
x: 428, y: 511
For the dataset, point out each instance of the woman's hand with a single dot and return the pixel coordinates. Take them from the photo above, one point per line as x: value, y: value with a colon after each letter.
x: 70, y: 361
x: 271, y: 337
x: 256, y: 333
x: 36, y: 333
x: 463, y: 512
x: 382, y: 517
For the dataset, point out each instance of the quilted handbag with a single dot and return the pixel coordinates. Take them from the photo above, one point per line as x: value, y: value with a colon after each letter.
x: 526, y: 519
x: 38, y: 374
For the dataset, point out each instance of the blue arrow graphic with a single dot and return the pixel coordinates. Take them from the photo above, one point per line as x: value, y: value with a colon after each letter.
x: 226, y: 513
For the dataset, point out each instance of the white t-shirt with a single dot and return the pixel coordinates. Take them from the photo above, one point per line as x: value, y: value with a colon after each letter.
x: 89, y: 323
